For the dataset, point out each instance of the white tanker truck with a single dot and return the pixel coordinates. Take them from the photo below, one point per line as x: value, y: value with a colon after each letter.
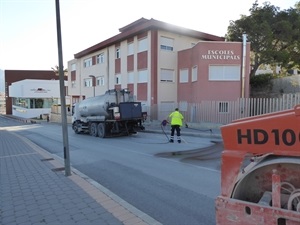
x: 112, y: 114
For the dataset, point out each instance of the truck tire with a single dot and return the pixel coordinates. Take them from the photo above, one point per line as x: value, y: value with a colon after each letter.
x: 94, y: 130
x: 75, y: 127
x: 101, y: 130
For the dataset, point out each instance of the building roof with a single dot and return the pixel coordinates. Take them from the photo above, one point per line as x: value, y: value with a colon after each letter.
x: 142, y: 25
x: 36, y: 81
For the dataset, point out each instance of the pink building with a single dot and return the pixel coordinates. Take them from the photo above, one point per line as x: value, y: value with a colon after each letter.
x: 215, y: 71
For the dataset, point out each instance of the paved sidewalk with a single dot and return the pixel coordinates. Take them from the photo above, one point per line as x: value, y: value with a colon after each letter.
x: 34, y: 190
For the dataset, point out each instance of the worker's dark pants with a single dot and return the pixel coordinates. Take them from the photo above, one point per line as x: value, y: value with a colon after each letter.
x: 173, y: 128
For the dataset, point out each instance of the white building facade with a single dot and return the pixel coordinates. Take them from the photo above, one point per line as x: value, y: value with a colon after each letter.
x: 32, y: 98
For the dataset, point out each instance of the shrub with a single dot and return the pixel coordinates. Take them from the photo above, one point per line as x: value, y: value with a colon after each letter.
x: 260, y: 80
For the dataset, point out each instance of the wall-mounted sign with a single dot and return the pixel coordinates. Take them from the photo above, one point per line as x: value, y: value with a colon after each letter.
x: 221, y: 55
x: 39, y: 90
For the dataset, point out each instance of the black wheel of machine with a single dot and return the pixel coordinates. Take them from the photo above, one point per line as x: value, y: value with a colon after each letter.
x: 75, y: 128
x: 256, y: 184
x: 101, y: 130
x: 94, y: 130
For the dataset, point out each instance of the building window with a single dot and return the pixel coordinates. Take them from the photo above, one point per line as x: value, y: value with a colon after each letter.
x: 130, y: 77
x: 100, y: 81
x: 184, y: 76
x: 33, y: 103
x: 87, y: 62
x: 73, y: 84
x: 224, y: 73
x: 118, y: 53
x: 73, y: 66
x: 194, y: 73
x: 143, y: 45
x: 223, y: 107
x: 167, y: 106
x: 88, y: 82
x: 166, y: 75
x: 21, y: 102
x: 143, y: 76
x: 100, y: 58
x: 166, y: 43
x: 118, y: 79
x: 130, y: 49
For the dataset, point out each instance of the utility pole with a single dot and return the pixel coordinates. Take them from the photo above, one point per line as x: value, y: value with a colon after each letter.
x: 62, y: 94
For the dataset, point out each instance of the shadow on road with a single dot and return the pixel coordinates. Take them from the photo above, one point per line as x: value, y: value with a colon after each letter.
x: 209, y: 156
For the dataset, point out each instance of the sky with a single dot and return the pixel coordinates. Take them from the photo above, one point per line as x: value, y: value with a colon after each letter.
x: 28, y: 37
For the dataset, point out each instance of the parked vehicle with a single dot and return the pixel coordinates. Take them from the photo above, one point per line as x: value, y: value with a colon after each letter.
x: 112, y: 114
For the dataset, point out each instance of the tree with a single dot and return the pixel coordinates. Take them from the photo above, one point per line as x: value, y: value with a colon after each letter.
x: 273, y: 35
x: 294, y: 47
x: 56, y: 71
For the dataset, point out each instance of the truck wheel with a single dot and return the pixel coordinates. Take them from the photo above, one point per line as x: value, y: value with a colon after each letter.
x: 75, y: 128
x: 101, y: 130
x: 94, y: 130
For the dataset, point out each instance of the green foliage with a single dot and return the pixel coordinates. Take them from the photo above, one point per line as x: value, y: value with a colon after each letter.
x: 262, y: 80
x: 56, y: 71
x: 274, y: 35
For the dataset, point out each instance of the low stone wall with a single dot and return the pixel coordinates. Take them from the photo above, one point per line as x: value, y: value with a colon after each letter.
x: 56, y: 118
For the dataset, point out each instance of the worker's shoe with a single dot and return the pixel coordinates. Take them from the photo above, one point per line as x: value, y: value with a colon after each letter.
x: 179, y: 141
x: 171, y: 141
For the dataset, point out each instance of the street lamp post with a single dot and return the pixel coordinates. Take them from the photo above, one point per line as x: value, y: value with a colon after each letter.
x: 62, y: 93
x: 94, y: 82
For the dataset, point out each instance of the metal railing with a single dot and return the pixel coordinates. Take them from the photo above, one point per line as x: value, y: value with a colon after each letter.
x: 223, y: 112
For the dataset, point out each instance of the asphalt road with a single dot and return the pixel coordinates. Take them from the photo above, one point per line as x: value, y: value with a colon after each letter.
x: 175, y: 183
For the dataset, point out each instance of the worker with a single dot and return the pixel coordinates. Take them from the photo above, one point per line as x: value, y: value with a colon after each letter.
x: 176, y: 122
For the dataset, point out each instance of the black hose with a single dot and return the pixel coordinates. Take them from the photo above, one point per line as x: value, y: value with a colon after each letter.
x: 201, y: 129
x: 163, y: 130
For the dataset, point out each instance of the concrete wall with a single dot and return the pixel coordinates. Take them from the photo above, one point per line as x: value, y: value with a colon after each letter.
x: 56, y: 118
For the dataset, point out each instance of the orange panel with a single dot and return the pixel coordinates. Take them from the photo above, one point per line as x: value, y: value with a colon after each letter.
x: 276, y: 134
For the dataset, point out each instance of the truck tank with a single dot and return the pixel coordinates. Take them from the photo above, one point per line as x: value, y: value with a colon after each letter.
x: 98, y: 105
x: 112, y: 114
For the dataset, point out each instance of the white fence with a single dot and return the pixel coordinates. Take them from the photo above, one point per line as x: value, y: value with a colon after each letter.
x: 223, y: 112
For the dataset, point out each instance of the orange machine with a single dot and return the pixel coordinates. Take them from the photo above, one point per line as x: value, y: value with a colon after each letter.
x: 260, y: 181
